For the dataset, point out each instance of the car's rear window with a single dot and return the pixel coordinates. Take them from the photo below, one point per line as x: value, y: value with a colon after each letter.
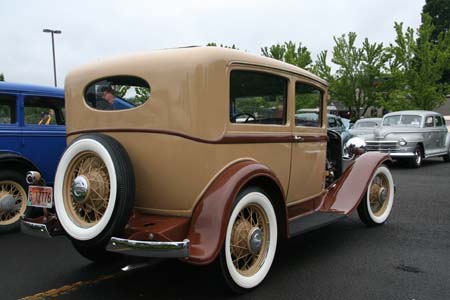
x: 117, y: 93
x: 366, y: 124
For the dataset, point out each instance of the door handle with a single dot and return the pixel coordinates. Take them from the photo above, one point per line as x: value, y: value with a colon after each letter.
x: 298, y: 139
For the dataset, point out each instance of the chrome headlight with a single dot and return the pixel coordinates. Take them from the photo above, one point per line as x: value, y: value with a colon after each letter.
x: 402, y: 142
x: 354, y: 147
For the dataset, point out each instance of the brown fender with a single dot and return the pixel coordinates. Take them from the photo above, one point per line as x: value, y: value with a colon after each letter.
x: 350, y: 188
x: 209, y: 220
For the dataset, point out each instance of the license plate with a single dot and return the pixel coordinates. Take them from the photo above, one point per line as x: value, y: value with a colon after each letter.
x: 40, y: 196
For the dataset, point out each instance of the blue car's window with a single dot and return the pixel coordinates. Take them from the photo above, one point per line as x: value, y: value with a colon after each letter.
x: 7, y: 109
x: 42, y: 110
x: 117, y: 93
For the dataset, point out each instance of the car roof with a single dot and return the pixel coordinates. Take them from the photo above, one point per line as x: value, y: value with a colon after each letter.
x: 413, y: 112
x: 369, y: 120
x: 198, y: 55
x: 30, y: 88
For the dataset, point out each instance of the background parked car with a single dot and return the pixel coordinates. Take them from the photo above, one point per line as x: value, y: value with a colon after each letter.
x: 364, y: 127
x: 334, y: 123
x: 32, y: 137
x: 412, y: 135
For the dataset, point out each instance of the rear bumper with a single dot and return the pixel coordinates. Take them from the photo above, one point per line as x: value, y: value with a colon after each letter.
x: 168, y: 249
x: 149, y: 248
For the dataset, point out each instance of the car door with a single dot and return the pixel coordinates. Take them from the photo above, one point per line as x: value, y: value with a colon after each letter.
x: 429, y: 136
x: 441, y: 133
x: 10, y: 130
x: 44, y: 132
x: 309, y: 147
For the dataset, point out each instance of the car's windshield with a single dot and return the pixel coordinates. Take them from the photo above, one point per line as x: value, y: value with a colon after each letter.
x: 366, y: 124
x: 403, y: 120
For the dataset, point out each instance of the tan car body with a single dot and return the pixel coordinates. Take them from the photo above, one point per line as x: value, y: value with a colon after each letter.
x: 179, y: 140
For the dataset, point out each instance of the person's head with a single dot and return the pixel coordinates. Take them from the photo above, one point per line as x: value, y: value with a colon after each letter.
x: 108, y: 94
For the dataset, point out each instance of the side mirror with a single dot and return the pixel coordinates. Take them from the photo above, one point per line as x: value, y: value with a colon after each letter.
x: 354, y: 147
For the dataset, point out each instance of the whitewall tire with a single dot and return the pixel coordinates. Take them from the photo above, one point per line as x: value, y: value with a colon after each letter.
x: 376, y: 206
x: 250, y: 241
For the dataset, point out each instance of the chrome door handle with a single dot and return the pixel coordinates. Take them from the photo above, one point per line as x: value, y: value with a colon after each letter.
x: 298, y: 138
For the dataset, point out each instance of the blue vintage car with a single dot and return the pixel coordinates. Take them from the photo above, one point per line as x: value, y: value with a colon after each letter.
x: 32, y: 137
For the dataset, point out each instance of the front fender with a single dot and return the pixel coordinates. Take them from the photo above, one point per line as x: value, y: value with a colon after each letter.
x: 210, y: 218
x: 346, y: 194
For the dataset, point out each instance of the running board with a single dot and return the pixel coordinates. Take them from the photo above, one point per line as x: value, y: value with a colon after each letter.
x: 312, y: 221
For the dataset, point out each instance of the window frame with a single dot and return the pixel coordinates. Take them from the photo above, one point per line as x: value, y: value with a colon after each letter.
x: 321, y: 104
x: 16, y: 107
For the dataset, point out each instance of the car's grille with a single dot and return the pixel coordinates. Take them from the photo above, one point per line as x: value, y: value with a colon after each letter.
x: 381, y: 146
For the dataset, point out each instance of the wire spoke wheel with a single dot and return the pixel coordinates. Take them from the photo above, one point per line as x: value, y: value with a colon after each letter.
x: 87, y: 210
x: 377, y: 205
x: 13, y: 202
x: 249, y: 240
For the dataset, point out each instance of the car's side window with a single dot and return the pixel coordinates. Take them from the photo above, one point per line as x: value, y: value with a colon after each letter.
x: 308, y: 103
x: 43, y: 110
x: 438, y: 121
x: 332, y: 122
x: 257, y: 98
x: 8, y: 114
x: 429, y: 121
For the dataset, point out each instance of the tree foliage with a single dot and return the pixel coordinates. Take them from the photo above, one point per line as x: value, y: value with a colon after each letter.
x: 2, y: 77
x: 439, y: 11
x: 290, y: 53
x: 212, y: 44
x: 416, y: 66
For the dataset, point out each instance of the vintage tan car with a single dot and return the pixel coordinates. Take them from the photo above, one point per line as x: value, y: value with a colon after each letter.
x: 208, y: 162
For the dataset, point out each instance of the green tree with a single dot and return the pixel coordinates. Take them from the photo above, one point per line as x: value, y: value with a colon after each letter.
x: 439, y: 11
x: 2, y: 77
x: 359, y: 69
x: 416, y: 65
x: 212, y: 44
x: 290, y: 53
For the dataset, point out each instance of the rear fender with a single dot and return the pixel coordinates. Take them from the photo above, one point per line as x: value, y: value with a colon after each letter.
x: 210, y: 217
x: 15, y: 161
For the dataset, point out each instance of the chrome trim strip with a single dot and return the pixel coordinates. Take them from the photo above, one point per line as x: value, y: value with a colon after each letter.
x: 34, y: 229
x: 406, y: 154
x: 149, y: 248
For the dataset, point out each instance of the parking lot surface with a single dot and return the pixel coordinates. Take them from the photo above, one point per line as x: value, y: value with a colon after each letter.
x: 407, y: 258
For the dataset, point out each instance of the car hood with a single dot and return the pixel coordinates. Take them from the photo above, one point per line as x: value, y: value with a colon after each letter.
x: 361, y: 131
x: 393, y: 133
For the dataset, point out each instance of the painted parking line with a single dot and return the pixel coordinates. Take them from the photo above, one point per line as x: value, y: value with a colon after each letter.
x: 70, y: 287
x: 79, y: 284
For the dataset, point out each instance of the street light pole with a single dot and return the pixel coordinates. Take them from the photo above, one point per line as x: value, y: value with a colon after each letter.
x: 53, y: 32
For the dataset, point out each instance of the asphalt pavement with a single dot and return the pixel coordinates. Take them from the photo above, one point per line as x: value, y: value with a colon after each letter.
x: 407, y: 258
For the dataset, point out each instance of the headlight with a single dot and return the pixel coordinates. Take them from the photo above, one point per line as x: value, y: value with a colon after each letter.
x: 402, y: 143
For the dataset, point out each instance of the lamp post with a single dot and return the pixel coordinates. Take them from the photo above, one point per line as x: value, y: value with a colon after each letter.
x: 53, y: 32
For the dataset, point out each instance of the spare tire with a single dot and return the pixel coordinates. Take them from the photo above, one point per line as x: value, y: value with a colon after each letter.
x: 94, y: 189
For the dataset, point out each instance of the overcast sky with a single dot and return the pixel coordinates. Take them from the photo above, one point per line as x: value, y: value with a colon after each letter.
x: 96, y: 29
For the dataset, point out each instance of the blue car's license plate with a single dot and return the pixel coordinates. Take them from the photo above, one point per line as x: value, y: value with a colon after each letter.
x: 40, y: 196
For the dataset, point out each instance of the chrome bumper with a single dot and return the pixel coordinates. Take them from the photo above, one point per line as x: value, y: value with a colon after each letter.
x: 402, y: 154
x: 149, y: 248
x: 34, y: 229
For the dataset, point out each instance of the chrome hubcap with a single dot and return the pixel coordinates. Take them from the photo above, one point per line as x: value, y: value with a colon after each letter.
x: 80, y: 189
x: 7, y: 203
x: 255, y: 240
